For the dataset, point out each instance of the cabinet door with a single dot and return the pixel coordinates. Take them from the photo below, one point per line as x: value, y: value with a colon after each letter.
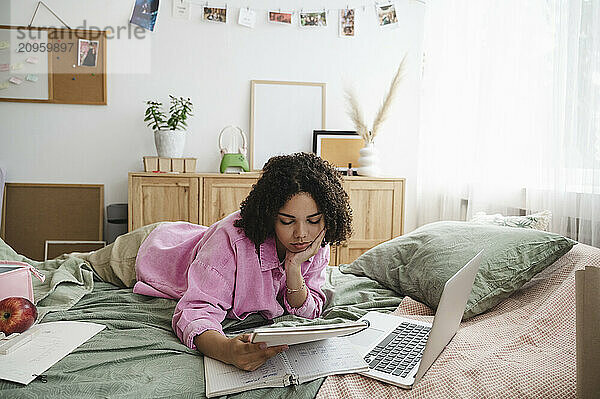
x: 223, y: 196
x: 161, y: 199
x: 377, y: 210
x: 333, y: 250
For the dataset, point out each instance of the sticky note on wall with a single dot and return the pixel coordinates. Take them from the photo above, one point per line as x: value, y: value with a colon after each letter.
x: 15, y: 80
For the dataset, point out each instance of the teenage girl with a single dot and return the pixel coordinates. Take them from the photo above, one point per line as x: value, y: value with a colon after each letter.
x: 268, y: 258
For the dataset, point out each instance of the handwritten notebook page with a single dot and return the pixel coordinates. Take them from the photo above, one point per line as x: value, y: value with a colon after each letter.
x: 225, y: 378
x: 50, y: 343
x: 305, y: 362
x: 327, y: 357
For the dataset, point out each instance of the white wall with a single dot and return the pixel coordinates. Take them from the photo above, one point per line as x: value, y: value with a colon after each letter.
x: 213, y: 65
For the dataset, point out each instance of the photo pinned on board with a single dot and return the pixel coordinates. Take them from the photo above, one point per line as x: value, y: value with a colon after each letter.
x: 312, y: 19
x: 88, y: 52
x: 386, y: 14
x: 247, y: 17
x: 215, y: 14
x: 347, y: 22
x: 279, y: 17
x: 145, y: 13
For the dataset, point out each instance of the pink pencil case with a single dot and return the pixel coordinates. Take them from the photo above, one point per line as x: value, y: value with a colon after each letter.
x: 15, y: 279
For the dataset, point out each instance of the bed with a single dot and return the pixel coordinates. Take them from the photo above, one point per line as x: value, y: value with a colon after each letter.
x: 524, y: 346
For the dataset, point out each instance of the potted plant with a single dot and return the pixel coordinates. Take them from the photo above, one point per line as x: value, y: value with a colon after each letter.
x: 169, y: 134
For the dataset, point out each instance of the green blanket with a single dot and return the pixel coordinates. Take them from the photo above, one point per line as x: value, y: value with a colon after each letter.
x: 139, y: 356
x: 67, y: 280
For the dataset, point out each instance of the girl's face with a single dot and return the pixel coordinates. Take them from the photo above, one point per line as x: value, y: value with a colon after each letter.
x: 297, y: 224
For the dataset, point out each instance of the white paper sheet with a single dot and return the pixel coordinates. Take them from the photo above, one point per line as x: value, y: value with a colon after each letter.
x: 181, y: 9
x: 298, y: 364
x: 321, y: 358
x: 225, y: 379
x: 51, y: 342
x: 247, y: 17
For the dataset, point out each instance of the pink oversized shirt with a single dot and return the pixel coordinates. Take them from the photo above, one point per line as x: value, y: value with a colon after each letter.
x: 215, y: 273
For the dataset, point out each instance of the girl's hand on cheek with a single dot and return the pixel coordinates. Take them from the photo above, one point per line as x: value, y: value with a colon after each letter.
x: 248, y: 356
x: 296, y: 259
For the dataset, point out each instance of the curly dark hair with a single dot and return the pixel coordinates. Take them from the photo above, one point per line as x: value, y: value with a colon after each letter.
x: 285, y: 176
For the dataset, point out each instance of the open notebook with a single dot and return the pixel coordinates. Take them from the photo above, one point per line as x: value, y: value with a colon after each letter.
x: 299, y: 364
x: 273, y: 336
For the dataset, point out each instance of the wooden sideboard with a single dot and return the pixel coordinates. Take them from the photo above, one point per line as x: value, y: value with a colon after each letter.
x: 204, y: 198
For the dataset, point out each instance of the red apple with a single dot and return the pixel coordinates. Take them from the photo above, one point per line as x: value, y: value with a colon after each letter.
x: 16, y: 315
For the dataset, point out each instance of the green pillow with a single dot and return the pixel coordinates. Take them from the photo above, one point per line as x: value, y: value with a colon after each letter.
x: 418, y: 264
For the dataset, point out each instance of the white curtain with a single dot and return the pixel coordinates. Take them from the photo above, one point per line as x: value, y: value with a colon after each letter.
x: 510, y: 118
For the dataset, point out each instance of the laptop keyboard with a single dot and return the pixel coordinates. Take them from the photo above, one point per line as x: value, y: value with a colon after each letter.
x: 400, y: 351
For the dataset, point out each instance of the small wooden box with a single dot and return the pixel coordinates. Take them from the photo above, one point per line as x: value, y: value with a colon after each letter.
x: 189, y: 165
x: 150, y: 164
x: 177, y: 165
x: 160, y: 164
x: 164, y: 164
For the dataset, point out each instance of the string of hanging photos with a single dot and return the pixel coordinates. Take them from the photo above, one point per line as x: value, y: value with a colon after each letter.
x: 146, y: 11
x: 362, y: 6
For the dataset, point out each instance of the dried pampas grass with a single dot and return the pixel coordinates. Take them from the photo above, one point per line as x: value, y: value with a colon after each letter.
x: 357, y: 116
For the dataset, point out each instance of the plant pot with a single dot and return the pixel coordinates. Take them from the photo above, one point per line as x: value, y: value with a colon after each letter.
x: 169, y: 143
x: 368, y: 161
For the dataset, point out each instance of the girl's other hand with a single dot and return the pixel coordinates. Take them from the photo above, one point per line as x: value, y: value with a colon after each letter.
x: 248, y: 356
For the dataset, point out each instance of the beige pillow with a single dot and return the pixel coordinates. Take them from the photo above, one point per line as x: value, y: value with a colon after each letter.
x: 539, y: 221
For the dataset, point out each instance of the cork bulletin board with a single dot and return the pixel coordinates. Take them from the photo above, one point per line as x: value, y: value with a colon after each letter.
x: 35, y: 213
x: 340, y: 148
x: 47, y: 65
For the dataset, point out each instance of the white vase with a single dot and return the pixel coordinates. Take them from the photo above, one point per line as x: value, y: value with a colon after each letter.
x: 368, y: 161
x: 169, y: 143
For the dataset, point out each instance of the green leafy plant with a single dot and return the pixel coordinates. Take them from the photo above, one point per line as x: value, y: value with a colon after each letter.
x: 179, y: 111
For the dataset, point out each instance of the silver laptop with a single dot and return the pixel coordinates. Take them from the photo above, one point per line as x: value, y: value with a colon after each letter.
x: 400, y: 350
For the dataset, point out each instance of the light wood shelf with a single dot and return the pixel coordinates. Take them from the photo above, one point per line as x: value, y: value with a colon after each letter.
x: 204, y: 198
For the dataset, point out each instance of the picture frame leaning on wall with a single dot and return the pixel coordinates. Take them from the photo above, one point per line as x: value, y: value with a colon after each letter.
x: 283, y: 116
x: 339, y: 147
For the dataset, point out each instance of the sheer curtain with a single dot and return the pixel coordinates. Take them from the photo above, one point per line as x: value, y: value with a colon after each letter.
x: 511, y: 112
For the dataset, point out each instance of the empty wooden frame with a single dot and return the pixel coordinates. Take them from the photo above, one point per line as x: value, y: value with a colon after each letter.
x: 283, y: 116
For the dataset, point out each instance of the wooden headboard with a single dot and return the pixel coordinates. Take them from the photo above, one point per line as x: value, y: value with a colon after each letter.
x: 33, y: 213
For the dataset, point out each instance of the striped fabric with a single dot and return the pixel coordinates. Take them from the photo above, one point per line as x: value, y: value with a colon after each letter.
x: 523, y: 348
